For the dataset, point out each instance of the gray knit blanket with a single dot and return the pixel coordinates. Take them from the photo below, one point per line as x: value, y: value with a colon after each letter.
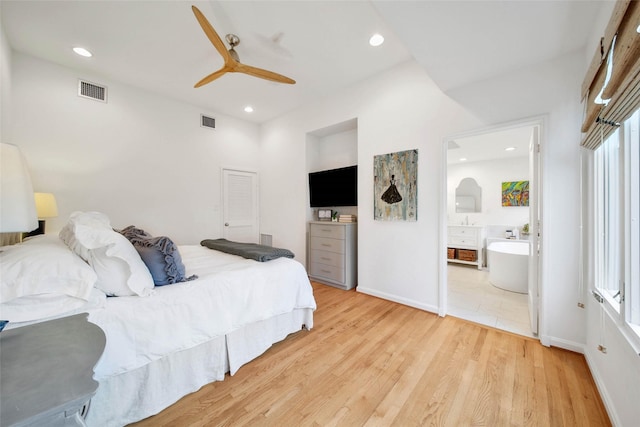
x: 253, y: 251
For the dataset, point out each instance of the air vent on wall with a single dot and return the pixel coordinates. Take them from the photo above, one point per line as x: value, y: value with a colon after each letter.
x: 266, y: 239
x: 207, y: 122
x: 92, y: 91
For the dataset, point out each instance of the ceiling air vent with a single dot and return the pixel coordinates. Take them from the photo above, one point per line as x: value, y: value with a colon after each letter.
x: 92, y: 91
x: 207, y: 122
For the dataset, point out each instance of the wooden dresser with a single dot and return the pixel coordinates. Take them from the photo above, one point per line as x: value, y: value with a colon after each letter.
x: 333, y: 253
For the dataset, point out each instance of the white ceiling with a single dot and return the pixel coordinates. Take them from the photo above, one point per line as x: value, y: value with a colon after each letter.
x: 461, y: 42
x: 490, y: 146
x: 323, y: 45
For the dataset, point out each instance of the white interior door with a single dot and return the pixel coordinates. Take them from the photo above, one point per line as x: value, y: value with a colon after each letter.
x: 534, y: 226
x: 240, y: 206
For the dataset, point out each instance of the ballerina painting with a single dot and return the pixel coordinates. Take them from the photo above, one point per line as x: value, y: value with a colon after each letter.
x: 392, y: 195
x: 395, y: 186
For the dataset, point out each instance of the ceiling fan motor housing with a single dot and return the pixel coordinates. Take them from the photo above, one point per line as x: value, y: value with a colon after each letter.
x: 233, y: 40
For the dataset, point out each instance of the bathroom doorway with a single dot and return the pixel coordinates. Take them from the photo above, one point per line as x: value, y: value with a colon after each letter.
x: 497, y: 160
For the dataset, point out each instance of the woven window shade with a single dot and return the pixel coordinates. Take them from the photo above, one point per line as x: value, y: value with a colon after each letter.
x: 623, y: 86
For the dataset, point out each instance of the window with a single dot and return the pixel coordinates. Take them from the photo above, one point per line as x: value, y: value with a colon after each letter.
x: 608, y: 185
x: 632, y: 197
x: 616, y: 217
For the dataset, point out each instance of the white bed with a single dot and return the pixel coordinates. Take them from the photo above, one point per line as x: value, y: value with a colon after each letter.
x: 169, y: 343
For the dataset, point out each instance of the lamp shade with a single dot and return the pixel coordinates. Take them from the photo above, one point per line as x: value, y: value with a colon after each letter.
x: 17, y: 205
x: 46, y: 206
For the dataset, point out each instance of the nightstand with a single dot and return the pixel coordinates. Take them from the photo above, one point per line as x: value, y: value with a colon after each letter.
x: 46, y: 372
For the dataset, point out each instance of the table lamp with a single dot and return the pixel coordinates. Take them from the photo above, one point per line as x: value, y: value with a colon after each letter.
x: 46, y: 207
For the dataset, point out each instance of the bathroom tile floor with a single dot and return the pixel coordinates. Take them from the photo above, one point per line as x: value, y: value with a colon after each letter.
x: 472, y: 297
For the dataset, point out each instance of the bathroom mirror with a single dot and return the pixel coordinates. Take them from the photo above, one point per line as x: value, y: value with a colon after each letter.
x: 468, y: 196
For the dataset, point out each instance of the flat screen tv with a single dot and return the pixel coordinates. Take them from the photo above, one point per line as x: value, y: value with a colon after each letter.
x: 335, y: 187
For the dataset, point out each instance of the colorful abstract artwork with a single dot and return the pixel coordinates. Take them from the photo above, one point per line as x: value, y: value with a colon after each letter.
x: 515, y: 193
x: 395, y: 186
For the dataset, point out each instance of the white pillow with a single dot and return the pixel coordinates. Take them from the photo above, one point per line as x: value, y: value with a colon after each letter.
x: 91, y: 226
x: 43, y: 265
x: 120, y: 270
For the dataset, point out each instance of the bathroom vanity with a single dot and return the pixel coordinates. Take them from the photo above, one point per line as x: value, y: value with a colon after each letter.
x: 465, y: 244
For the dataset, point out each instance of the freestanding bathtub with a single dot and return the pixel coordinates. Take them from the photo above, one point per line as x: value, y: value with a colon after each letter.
x: 509, y: 265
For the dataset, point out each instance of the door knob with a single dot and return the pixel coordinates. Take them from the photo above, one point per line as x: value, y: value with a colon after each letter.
x: 226, y: 224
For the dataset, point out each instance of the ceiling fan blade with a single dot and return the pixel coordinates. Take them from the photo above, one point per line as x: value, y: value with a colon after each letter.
x: 263, y: 74
x: 211, y: 34
x: 211, y: 77
x: 231, y: 64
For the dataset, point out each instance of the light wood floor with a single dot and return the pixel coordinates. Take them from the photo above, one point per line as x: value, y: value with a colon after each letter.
x: 372, y: 362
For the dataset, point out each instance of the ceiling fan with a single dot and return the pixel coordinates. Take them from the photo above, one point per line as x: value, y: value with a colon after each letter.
x: 232, y: 62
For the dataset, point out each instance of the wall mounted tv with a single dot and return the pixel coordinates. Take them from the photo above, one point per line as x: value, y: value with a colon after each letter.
x: 335, y: 187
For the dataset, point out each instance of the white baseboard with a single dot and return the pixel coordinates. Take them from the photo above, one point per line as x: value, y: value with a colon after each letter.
x: 399, y: 300
x: 602, y: 389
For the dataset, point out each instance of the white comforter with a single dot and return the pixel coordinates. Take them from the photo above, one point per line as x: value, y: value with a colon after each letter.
x: 230, y: 292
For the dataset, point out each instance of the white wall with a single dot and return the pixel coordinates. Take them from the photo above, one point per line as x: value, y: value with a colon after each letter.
x: 140, y: 158
x: 398, y: 110
x: 333, y: 151
x: 489, y: 175
x: 5, y: 85
x: 616, y: 372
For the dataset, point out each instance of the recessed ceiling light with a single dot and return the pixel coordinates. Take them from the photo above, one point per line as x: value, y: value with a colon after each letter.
x: 248, y: 109
x: 376, y: 40
x: 509, y: 148
x: 463, y: 159
x: 82, y: 52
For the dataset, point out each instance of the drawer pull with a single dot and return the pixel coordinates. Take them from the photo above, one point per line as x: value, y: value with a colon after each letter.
x: 326, y: 245
x: 326, y: 271
x: 325, y: 259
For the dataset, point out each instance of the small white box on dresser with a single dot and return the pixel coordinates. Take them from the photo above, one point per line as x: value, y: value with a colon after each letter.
x: 333, y: 253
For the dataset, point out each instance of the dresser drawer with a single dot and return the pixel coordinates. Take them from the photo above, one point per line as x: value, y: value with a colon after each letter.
x: 325, y: 244
x: 328, y: 258
x: 462, y: 241
x: 466, y: 232
x: 327, y: 271
x: 331, y: 231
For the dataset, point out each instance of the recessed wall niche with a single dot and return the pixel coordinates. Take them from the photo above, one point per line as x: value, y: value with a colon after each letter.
x: 332, y: 147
